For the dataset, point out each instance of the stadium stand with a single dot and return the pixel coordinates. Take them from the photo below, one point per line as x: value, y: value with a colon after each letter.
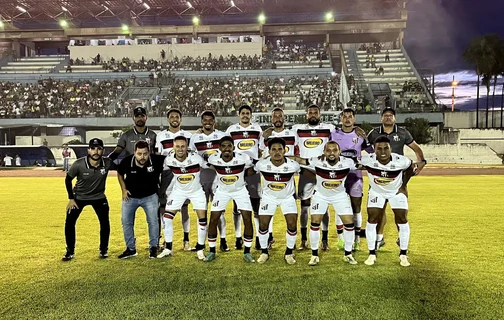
x: 40, y: 64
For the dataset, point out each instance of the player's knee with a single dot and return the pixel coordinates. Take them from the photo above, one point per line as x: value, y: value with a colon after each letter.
x: 316, y: 218
x: 401, y: 219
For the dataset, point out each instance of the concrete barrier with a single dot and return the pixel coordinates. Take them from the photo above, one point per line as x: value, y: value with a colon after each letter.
x: 457, y: 154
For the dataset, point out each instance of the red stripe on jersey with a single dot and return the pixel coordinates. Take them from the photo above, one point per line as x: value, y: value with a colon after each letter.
x: 167, y: 144
x: 384, y: 173
x: 190, y: 169
x: 289, y: 141
x: 336, y: 174
x: 207, y: 145
x: 314, y: 133
x: 230, y: 169
x: 240, y: 135
x: 278, y: 177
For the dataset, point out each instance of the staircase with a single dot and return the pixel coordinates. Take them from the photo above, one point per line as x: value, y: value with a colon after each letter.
x: 40, y: 64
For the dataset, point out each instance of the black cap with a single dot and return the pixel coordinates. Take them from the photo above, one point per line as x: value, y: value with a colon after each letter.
x: 139, y: 111
x: 388, y: 110
x: 95, y: 142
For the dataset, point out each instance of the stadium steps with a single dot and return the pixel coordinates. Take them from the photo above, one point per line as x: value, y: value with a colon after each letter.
x: 41, y: 64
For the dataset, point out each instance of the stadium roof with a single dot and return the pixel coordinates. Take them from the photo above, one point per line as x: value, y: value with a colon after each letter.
x: 46, y: 14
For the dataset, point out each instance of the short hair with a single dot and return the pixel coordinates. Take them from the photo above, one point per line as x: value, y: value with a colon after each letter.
x: 348, y: 110
x: 332, y: 142
x: 277, y: 109
x: 180, y: 138
x: 141, y: 144
x: 382, y: 139
x: 226, y: 138
x: 313, y: 106
x: 208, y: 113
x: 245, y: 106
x: 174, y: 110
x: 276, y: 140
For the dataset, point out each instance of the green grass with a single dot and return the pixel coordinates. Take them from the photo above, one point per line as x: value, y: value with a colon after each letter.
x: 456, y: 254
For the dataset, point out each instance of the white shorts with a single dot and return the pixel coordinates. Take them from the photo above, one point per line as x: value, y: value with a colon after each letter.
x: 268, y: 206
x: 177, y: 198
x: 222, y: 198
x: 378, y: 200
x: 341, y: 204
x: 306, y: 186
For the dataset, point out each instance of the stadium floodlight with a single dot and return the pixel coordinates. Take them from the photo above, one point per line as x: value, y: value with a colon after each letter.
x: 64, y: 9
x: 125, y: 28
x: 63, y: 23
x: 329, y: 17
x: 146, y: 6
x: 261, y: 18
x: 189, y: 4
x: 1, y: 24
x: 195, y: 20
x: 232, y: 4
x: 21, y: 9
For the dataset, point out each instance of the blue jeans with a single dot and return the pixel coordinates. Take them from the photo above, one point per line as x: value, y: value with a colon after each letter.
x: 129, y: 208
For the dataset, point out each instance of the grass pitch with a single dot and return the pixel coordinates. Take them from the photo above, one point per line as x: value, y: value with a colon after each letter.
x: 456, y: 253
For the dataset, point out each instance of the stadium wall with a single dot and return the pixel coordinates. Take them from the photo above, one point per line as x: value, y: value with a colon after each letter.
x: 493, y: 138
x: 136, y: 52
x: 467, y: 119
x: 457, y: 154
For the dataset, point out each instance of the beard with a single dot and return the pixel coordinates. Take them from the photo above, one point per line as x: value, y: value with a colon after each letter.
x: 278, y: 124
x: 313, y: 121
x: 140, y: 123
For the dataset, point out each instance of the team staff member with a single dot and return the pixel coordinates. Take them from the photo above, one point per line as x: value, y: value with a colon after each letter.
x: 399, y: 137
x: 91, y: 173
x: 138, y: 176
x: 138, y: 132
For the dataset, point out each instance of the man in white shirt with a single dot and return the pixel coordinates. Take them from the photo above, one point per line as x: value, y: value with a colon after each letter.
x: 8, y: 160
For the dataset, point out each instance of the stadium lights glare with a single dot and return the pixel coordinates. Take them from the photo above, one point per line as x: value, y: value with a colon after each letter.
x: 329, y: 17
x: 1, y: 24
x: 21, y: 9
x: 63, y: 23
x: 261, y: 18
x: 189, y: 4
x: 146, y: 6
x: 125, y: 28
x: 64, y: 9
x: 232, y: 3
x: 195, y: 20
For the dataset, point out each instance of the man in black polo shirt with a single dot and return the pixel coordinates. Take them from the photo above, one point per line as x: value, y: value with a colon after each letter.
x: 138, y: 176
x: 399, y: 137
x: 91, y: 172
x: 138, y: 132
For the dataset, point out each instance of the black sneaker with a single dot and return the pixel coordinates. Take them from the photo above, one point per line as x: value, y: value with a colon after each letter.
x: 239, y: 244
x: 153, y: 252
x: 103, y: 254
x: 68, y: 256
x: 128, y: 254
x: 224, y: 246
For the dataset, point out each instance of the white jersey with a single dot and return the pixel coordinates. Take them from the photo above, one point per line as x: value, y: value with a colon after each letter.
x: 330, y: 179
x: 206, y: 145
x: 246, y: 140
x: 186, y: 174
x: 312, y: 139
x: 230, y: 175
x: 385, y: 179
x: 278, y: 182
x: 164, y: 140
x: 290, y: 138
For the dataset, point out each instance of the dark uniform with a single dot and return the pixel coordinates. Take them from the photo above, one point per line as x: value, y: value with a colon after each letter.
x: 89, y: 190
x: 129, y: 138
x: 399, y: 137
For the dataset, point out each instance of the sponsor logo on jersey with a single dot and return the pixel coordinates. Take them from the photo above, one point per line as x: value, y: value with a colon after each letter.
x: 383, y: 181
x: 277, y: 186
x: 246, y: 144
x: 185, y: 179
x: 331, y: 184
x: 313, y: 142
x: 210, y: 152
x: 229, y: 180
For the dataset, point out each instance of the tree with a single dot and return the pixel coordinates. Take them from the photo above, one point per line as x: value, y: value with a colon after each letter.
x: 485, y: 80
x: 117, y: 134
x: 366, y: 126
x: 222, y: 125
x: 419, y: 129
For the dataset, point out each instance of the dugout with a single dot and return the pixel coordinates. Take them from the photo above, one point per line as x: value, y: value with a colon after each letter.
x: 30, y: 154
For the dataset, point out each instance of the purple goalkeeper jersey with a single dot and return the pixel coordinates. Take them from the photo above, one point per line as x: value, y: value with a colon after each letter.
x: 351, y: 145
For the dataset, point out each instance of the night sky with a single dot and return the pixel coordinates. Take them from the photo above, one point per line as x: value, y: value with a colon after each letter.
x: 437, y: 34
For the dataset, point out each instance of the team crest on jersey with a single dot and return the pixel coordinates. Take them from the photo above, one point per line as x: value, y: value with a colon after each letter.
x: 383, y: 181
x: 355, y: 140
x: 150, y: 169
x: 277, y: 186
x: 396, y: 138
x: 331, y: 184
x: 332, y: 175
x: 229, y: 180
x: 209, y: 144
x: 384, y: 174
x: 313, y: 142
x: 183, y: 170
x: 246, y: 144
x: 314, y: 133
x: 148, y: 140
x: 103, y: 171
x: 186, y: 178
x: 245, y: 134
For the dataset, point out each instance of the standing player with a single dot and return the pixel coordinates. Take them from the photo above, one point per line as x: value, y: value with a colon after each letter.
x: 205, y: 144
x: 291, y: 141
x: 351, y: 144
x: 312, y: 138
x: 331, y: 171
x: 138, y: 132
x: 164, y: 145
x: 278, y: 189
x: 186, y: 167
x: 385, y: 171
x: 231, y: 169
x: 246, y: 136
x: 91, y: 173
x: 399, y: 137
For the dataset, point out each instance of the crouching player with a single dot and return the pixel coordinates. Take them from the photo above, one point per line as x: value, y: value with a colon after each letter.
x: 385, y: 171
x: 231, y: 169
x: 331, y: 171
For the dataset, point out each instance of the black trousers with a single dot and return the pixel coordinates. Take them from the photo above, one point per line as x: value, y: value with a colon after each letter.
x: 101, y: 209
